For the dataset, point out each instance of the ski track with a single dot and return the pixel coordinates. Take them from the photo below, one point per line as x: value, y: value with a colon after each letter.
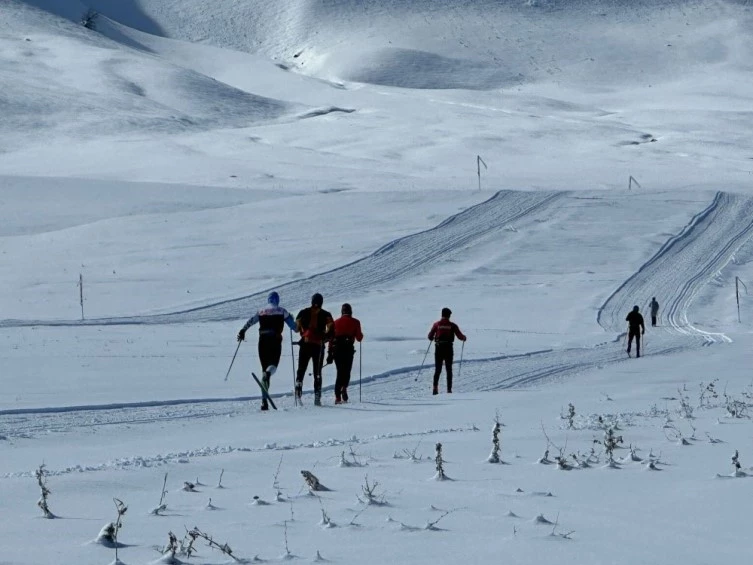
x: 399, y: 259
x: 684, y: 264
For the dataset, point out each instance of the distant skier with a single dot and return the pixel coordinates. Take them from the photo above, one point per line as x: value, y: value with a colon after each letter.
x: 443, y: 334
x: 271, y: 319
x: 342, y: 350
x: 636, y: 329
x: 315, y: 326
x: 654, y: 305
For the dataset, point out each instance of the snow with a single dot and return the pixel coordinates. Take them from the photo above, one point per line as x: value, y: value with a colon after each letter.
x: 187, y: 158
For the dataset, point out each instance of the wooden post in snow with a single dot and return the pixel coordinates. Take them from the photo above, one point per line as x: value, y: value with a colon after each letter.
x: 738, y: 282
x: 81, y: 293
x: 479, y: 162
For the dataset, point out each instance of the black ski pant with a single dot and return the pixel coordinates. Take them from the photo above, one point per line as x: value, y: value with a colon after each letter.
x: 270, y: 350
x: 313, y: 352
x: 344, y: 354
x: 443, y: 354
x: 653, y: 319
x: 635, y: 333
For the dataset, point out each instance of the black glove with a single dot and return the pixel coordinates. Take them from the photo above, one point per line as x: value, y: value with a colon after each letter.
x: 330, y: 357
x: 241, y: 335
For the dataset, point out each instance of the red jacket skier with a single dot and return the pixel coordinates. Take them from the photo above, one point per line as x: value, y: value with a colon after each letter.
x: 342, y: 350
x: 443, y: 334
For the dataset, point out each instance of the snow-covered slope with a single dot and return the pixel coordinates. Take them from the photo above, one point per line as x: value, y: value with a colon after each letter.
x: 190, y: 155
x: 541, y: 73
x: 451, y: 44
x: 53, y: 71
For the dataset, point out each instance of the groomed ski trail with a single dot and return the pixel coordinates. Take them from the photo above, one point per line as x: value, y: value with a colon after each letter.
x: 677, y: 272
x: 684, y: 264
x: 397, y: 260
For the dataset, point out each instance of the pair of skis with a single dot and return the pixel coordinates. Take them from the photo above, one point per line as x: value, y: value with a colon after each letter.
x: 264, y: 391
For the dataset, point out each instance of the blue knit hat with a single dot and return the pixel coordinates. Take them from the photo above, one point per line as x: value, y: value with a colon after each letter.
x: 274, y: 298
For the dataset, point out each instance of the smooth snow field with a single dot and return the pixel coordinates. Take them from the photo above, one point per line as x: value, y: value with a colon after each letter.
x: 539, y: 167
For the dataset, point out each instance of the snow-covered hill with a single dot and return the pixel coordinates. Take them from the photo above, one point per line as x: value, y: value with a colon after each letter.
x: 537, y: 166
x: 258, y: 92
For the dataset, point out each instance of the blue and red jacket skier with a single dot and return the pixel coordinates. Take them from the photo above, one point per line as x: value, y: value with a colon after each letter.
x: 271, y: 319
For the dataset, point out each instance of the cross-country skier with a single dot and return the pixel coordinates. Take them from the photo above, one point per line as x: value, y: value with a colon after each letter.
x: 315, y: 326
x: 271, y: 319
x: 636, y: 329
x: 654, y: 305
x: 443, y: 333
x: 342, y: 350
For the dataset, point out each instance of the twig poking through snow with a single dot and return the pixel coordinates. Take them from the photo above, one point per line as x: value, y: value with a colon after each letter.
x: 41, y: 475
x: 161, y: 507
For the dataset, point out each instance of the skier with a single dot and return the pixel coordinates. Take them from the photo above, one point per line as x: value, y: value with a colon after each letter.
x: 315, y: 326
x: 342, y: 350
x: 443, y: 333
x: 654, y: 305
x: 636, y: 329
x: 271, y: 319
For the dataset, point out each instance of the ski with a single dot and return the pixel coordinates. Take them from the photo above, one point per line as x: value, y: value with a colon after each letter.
x: 264, y: 392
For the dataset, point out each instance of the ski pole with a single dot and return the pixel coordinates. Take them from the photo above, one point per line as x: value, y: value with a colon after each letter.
x: 233, y: 360
x: 422, y: 362
x: 460, y: 367
x: 360, y: 365
x: 292, y: 361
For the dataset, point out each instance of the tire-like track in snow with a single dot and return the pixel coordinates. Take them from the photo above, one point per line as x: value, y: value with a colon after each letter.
x: 400, y: 259
x: 681, y: 267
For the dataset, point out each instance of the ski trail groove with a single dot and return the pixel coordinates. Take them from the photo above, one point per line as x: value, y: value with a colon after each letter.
x: 677, y: 272
x: 397, y: 260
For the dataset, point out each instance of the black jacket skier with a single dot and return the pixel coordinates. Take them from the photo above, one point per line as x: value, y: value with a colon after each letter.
x: 315, y: 326
x: 636, y: 329
x: 654, y: 306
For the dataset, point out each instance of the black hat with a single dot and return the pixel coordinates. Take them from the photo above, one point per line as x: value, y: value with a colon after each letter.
x: 317, y: 299
x: 446, y: 312
x: 346, y: 309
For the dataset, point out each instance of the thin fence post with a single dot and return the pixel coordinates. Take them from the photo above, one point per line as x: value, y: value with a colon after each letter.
x: 360, y: 368
x: 81, y: 293
x: 479, y: 162
x: 738, y: 282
